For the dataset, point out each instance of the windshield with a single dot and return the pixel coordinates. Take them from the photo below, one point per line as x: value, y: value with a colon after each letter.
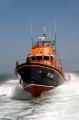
x: 46, y: 57
x: 38, y: 57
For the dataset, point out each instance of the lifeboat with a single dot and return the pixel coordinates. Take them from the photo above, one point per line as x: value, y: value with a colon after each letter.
x: 42, y: 69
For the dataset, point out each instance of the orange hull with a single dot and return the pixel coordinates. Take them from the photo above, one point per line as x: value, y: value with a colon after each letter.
x: 36, y: 90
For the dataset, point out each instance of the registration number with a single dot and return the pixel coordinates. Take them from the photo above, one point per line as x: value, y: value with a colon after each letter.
x: 50, y: 75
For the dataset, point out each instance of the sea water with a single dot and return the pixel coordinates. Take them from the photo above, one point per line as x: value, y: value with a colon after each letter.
x: 62, y: 103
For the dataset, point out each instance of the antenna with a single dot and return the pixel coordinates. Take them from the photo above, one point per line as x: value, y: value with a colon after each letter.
x: 50, y: 29
x: 31, y: 32
x: 36, y: 22
x: 36, y: 31
x: 55, y: 31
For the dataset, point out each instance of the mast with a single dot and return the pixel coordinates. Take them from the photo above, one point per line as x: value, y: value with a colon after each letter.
x: 50, y: 30
x: 55, y: 31
x: 31, y: 32
x: 44, y: 32
x: 36, y: 31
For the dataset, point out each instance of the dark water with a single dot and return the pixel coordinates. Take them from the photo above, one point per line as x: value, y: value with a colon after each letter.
x: 62, y: 103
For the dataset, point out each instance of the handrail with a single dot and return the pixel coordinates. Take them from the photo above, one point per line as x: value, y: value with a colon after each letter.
x: 21, y: 59
x: 17, y: 61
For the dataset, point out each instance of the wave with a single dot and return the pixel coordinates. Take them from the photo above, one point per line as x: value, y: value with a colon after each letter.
x: 13, y: 89
x: 67, y: 88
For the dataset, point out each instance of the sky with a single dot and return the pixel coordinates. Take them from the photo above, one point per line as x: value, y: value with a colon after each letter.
x: 15, y: 30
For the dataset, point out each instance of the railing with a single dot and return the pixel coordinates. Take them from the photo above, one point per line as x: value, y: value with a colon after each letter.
x: 47, y: 62
x: 18, y: 62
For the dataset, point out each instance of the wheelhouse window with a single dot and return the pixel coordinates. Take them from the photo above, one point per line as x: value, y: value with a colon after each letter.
x: 46, y: 57
x: 33, y: 58
x: 38, y: 57
x: 51, y: 57
x: 30, y: 58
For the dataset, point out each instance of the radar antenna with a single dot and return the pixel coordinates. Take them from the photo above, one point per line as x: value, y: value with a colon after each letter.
x: 44, y: 32
x: 44, y: 35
